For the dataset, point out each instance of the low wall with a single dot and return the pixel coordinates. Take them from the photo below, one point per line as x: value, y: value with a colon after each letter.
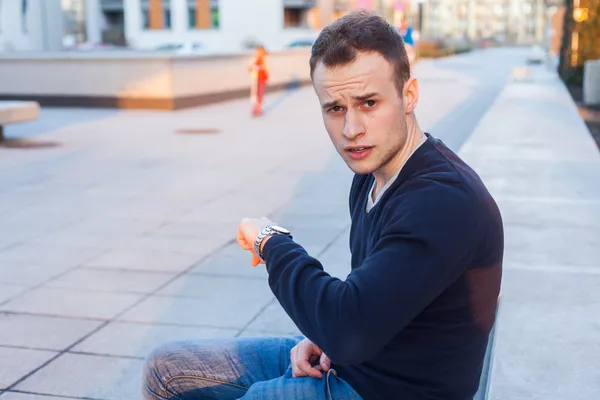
x: 140, y: 80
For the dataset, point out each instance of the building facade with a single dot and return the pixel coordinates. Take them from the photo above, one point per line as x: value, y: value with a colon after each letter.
x: 507, y: 21
x: 31, y: 25
x: 210, y: 25
x: 215, y: 25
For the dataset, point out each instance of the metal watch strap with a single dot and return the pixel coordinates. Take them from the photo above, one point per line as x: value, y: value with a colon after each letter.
x: 267, y: 231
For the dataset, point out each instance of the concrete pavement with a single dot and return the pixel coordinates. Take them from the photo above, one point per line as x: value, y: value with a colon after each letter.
x: 540, y: 162
x: 122, y: 237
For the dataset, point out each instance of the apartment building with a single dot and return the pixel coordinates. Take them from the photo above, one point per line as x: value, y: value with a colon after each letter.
x: 215, y: 25
x: 510, y: 21
x: 30, y: 25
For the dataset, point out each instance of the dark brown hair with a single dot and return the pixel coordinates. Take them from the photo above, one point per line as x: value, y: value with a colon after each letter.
x: 340, y: 42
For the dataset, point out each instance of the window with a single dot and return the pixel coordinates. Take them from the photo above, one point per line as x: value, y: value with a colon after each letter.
x: 294, y: 17
x: 156, y: 14
x: 203, y: 14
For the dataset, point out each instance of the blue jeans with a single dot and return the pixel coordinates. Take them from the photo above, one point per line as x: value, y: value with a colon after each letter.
x: 236, y: 368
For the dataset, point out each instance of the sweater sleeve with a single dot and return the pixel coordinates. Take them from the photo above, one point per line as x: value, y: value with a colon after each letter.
x: 423, y: 248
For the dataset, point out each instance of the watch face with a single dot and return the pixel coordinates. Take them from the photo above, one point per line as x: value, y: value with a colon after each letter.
x: 280, y: 229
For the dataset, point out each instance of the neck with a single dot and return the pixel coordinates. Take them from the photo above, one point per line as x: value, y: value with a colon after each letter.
x: 415, y: 137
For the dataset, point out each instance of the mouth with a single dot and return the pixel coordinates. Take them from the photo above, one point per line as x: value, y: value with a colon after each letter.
x: 358, y: 153
x: 358, y: 150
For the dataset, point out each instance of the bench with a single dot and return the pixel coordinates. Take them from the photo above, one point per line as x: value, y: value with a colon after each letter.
x: 17, y: 111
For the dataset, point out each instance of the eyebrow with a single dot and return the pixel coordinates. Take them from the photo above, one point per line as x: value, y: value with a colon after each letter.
x: 363, y: 97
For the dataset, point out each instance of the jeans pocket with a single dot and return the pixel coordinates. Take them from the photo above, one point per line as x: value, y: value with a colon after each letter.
x: 338, y: 389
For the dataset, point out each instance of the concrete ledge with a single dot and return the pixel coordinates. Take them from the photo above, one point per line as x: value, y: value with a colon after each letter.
x: 536, y: 156
x: 143, y: 81
x: 488, y: 362
x: 17, y: 111
x: 148, y: 103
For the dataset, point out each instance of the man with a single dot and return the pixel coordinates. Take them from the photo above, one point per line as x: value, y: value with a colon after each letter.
x: 411, y: 320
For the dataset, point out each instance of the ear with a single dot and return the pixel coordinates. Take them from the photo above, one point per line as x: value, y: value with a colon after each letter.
x: 411, y: 95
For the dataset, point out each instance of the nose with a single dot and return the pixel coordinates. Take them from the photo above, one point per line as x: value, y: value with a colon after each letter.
x: 353, y: 127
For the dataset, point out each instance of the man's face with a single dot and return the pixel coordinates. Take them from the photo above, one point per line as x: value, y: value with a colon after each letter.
x: 363, y: 112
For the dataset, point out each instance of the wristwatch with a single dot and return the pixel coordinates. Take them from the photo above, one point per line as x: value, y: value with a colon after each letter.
x: 269, y: 230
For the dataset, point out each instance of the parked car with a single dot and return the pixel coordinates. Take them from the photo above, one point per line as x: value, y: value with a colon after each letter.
x: 182, y: 48
x: 537, y: 55
x: 301, y: 43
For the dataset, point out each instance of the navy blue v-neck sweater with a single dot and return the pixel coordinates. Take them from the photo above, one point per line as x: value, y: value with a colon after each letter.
x: 411, y: 320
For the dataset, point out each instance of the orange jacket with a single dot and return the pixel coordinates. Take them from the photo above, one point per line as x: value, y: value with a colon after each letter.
x: 259, y: 69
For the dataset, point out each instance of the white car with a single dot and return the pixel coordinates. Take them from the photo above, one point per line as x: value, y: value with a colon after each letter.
x: 537, y: 55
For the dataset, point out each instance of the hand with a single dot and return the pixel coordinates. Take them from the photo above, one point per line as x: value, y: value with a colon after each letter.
x: 303, y: 355
x: 248, y: 231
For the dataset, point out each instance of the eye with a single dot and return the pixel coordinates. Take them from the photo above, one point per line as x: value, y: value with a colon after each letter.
x: 335, y: 109
x: 370, y: 103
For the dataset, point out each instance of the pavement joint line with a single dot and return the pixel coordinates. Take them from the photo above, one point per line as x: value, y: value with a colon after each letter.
x: 114, y: 318
x: 183, y: 296
x: 569, y: 269
x: 88, y: 290
x: 158, y: 323
x: 48, y: 395
x: 178, y: 325
x: 220, y: 275
x: 501, y: 199
x: 53, y: 277
x: 560, y: 225
x: 258, y: 313
x: 92, y: 354
x: 32, y: 288
x: 17, y: 347
x: 120, y: 269
x: 34, y: 314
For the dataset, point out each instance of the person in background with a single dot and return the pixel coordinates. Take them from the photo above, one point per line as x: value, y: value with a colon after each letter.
x: 260, y: 76
x: 406, y: 31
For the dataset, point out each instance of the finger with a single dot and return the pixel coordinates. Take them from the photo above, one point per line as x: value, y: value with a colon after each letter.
x: 243, y: 243
x: 241, y: 239
x: 255, y: 260
x: 305, y: 367
x: 325, y: 362
x: 296, y: 373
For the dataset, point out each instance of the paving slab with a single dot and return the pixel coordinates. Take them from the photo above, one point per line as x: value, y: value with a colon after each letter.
x: 145, y: 260
x: 109, y: 378
x: 138, y: 340
x: 39, y: 332
x: 229, y: 312
x: 71, y: 303
x: 48, y: 255
x: 546, y: 346
x: 16, y: 363
x: 105, y: 280
x: 25, y: 396
x: 229, y: 261
x: 202, y: 287
x: 7, y: 292
x: 273, y: 320
x: 30, y: 274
